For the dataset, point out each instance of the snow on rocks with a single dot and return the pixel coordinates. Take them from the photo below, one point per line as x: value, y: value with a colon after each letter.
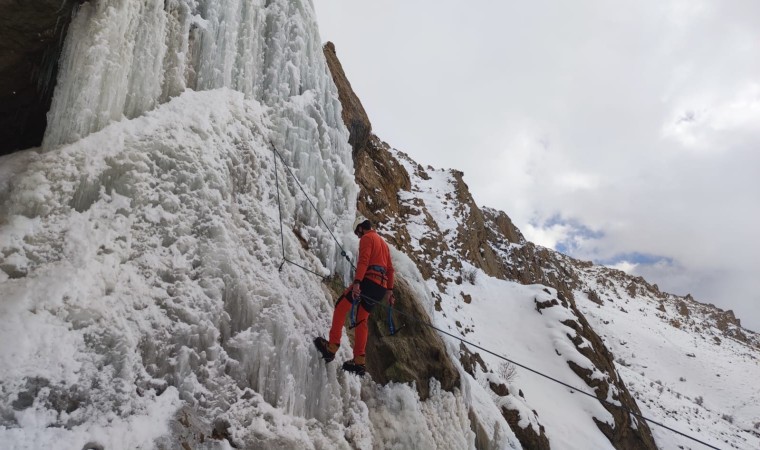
x: 680, y: 375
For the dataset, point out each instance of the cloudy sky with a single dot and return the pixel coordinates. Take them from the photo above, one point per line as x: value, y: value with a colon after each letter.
x: 627, y: 133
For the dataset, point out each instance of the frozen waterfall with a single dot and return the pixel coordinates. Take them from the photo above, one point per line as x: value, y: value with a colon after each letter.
x: 123, y: 58
x: 141, y: 298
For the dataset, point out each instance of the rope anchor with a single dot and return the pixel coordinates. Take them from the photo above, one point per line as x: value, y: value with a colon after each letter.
x: 279, y: 211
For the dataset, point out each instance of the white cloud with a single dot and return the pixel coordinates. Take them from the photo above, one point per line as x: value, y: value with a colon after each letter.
x: 547, y: 236
x: 625, y: 266
x: 716, y: 124
x: 575, y: 181
x: 640, y: 120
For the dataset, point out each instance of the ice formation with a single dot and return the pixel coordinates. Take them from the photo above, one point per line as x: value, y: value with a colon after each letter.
x: 141, y: 295
x: 123, y: 58
x: 140, y: 250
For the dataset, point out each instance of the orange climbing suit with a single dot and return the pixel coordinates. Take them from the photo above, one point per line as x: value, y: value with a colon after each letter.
x: 374, y: 272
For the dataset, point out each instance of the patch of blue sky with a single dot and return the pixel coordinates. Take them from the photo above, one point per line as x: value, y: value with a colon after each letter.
x: 576, y: 242
x: 637, y: 258
x: 575, y: 233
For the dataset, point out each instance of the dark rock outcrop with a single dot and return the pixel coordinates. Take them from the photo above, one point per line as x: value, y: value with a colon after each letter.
x: 31, y: 39
x: 416, y: 353
x: 527, y: 436
x: 353, y: 114
x: 625, y: 434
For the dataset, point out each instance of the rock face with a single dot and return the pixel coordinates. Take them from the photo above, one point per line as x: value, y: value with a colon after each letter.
x: 391, y: 358
x: 485, y: 238
x: 354, y: 116
x: 414, y: 354
x: 31, y: 37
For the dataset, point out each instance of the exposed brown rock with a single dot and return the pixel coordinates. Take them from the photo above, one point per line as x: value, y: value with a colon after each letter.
x: 472, y: 236
x: 381, y: 178
x: 499, y: 221
x: 545, y: 304
x: 481, y: 235
x: 527, y: 436
x: 470, y: 360
x: 416, y: 353
x: 594, y: 297
x: 499, y: 389
x: 624, y: 434
x: 353, y: 114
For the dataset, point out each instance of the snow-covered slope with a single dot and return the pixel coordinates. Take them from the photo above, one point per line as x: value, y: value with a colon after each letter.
x: 144, y: 303
x: 681, y: 367
x: 688, y: 365
x: 502, y: 316
x: 141, y: 300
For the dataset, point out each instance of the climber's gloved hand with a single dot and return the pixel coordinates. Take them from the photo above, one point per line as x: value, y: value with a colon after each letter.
x: 356, y: 291
x: 389, y: 297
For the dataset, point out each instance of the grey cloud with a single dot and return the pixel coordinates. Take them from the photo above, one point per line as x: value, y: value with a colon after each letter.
x: 640, y: 120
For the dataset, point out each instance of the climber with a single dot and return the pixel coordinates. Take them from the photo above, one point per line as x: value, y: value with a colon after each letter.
x: 372, y: 284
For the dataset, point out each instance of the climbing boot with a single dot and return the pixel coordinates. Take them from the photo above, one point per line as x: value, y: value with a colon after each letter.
x: 327, y: 349
x: 355, y: 365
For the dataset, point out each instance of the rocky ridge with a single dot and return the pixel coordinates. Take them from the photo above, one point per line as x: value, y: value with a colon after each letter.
x: 393, y: 195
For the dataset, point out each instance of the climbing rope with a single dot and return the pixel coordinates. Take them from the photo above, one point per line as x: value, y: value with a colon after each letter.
x: 282, y: 238
x: 430, y: 325
x: 573, y: 388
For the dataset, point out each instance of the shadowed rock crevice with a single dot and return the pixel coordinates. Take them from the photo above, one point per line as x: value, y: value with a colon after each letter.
x: 31, y: 39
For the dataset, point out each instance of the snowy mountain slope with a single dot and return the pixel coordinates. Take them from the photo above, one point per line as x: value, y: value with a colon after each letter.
x: 434, y: 198
x: 676, y: 360
x: 142, y: 301
x: 144, y: 278
x: 431, y: 216
x: 664, y: 340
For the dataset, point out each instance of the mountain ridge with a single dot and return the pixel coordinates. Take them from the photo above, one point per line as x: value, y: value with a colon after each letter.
x: 391, y: 186
x: 152, y: 257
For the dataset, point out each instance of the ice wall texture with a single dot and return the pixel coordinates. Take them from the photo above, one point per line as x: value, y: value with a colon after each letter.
x: 141, y: 289
x: 140, y: 274
x: 122, y: 58
x: 139, y: 253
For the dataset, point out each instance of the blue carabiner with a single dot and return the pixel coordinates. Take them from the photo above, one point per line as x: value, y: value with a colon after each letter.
x: 391, y: 325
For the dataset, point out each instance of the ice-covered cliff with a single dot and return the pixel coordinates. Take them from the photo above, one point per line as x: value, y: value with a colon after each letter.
x: 683, y: 364
x: 141, y: 302
x: 144, y: 303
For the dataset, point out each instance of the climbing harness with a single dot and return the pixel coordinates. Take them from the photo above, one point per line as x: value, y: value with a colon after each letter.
x: 380, y: 272
x: 393, y: 330
x: 374, y: 268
